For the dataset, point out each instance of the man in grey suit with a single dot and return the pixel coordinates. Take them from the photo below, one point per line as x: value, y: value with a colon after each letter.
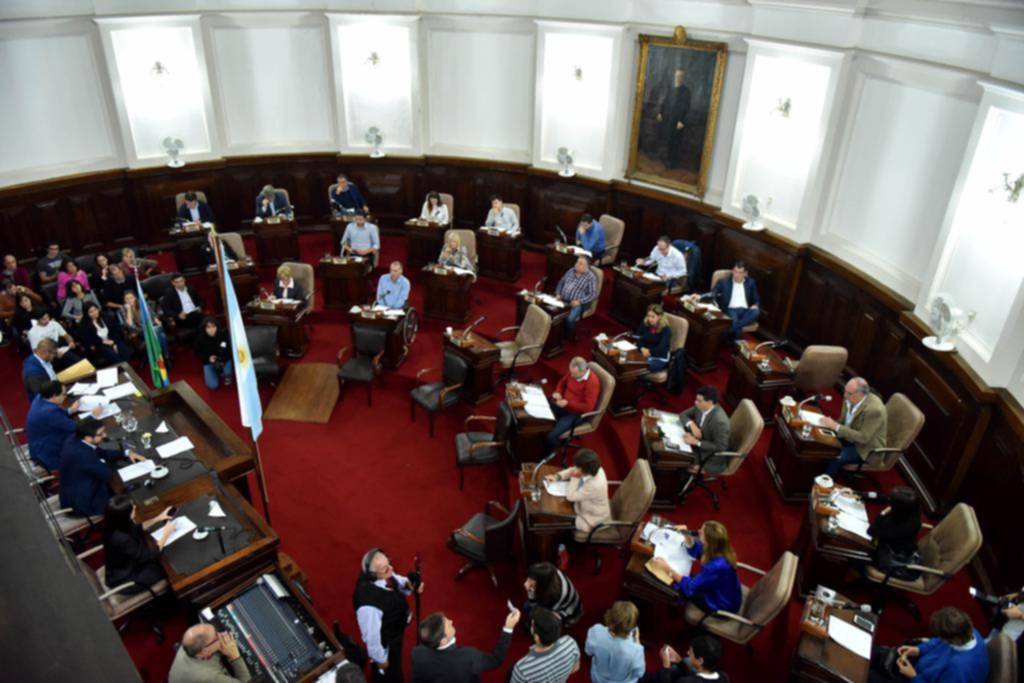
x: 862, y: 426
x: 707, y: 425
x: 197, y: 660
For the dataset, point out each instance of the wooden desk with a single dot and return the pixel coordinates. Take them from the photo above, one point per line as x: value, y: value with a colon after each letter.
x: 826, y: 555
x: 244, y: 279
x: 639, y: 582
x: 668, y: 467
x: 559, y: 258
x: 188, y: 242
x: 546, y: 519
x: 794, y: 460
x: 395, y: 347
x: 277, y: 240
x: 556, y: 336
x: 632, y: 293
x: 823, y: 660
x: 627, y: 367
x: 480, y: 355
x: 704, y: 338
x: 345, y: 280
x: 526, y: 436
x: 423, y: 242
x: 446, y: 294
x: 761, y: 377
x: 499, y: 253
x: 289, y: 319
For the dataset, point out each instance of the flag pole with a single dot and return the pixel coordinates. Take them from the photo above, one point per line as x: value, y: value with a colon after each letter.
x: 261, y: 482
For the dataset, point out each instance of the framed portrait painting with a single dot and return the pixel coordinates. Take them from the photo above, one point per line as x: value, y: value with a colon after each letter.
x: 678, y: 88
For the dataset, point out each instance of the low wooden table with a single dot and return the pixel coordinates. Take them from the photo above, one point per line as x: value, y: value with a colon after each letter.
x: 480, y: 355
x: 244, y: 279
x: 632, y: 293
x: 277, y: 240
x: 395, y: 348
x: 344, y: 280
x: 826, y: 555
x: 188, y: 239
x: 423, y: 242
x: 668, y: 466
x: 526, y: 436
x: 559, y: 258
x: 446, y: 294
x: 556, y: 336
x: 627, y: 367
x: 822, y: 660
x: 794, y: 460
x: 289, y: 319
x: 546, y: 519
x: 761, y: 377
x: 704, y: 338
x: 499, y: 254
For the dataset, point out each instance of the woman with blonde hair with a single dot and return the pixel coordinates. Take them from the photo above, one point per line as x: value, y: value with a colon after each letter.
x: 654, y: 337
x: 715, y: 586
x: 618, y: 656
x: 285, y: 287
x: 454, y: 255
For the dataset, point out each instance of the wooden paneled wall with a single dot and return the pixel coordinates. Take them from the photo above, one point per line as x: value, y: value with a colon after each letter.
x: 972, y: 445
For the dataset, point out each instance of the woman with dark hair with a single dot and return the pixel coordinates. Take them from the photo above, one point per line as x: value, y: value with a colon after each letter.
x: 74, y: 303
x: 24, y: 314
x: 654, y: 337
x: 127, y: 555
x: 955, y: 653
x: 70, y: 272
x: 104, y: 343
x: 716, y: 586
x: 895, y: 533
x: 587, y: 491
x: 434, y: 210
x: 213, y: 348
x: 546, y: 586
x: 100, y: 273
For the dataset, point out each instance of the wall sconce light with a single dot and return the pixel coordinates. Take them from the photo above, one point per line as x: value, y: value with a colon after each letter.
x: 1011, y: 188
x: 375, y: 137
x: 783, y: 107
x: 159, y: 70
x: 373, y: 59
x: 577, y: 73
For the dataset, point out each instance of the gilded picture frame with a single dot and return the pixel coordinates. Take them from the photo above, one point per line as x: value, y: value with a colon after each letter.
x: 675, y: 111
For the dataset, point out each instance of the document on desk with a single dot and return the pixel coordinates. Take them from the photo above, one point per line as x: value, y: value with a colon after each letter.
x: 179, y: 445
x: 463, y: 271
x: 289, y: 302
x: 83, y: 389
x: 623, y: 345
x: 162, y: 428
x: 580, y: 250
x: 672, y: 430
x: 537, y: 403
x: 851, y: 506
x: 849, y: 636
x: 668, y: 544
x: 136, y: 470
x: 120, y: 391
x: 712, y: 307
x: 815, y: 419
x: 853, y: 524
x: 354, y: 309
x: 182, y: 526
x: 87, y: 403
x: 552, y: 301
x: 108, y: 410
x: 107, y: 377
x: 651, y: 276
x: 557, y: 488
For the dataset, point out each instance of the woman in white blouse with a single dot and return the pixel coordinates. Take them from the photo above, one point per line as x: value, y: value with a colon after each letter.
x: 434, y: 210
x: 286, y: 287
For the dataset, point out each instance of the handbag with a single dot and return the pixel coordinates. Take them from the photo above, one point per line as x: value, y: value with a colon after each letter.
x: 893, y: 563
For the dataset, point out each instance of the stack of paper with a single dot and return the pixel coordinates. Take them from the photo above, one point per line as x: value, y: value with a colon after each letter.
x: 182, y: 526
x: 82, y: 389
x: 463, y: 271
x: 669, y: 544
x: 713, y: 307
x: 623, y: 345
x: 536, y: 402
x: 87, y: 403
x: 815, y: 419
x: 853, y: 524
x: 672, y: 429
x: 136, y: 470
x: 580, y: 250
x: 849, y: 636
x: 557, y: 488
x: 651, y: 276
x: 179, y: 445
x: 552, y: 301
x: 354, y: 309
x: 107, y: 377
x: 120, y: 391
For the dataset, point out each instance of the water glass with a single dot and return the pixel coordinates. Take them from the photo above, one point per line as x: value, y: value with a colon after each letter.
x: 147, y: 441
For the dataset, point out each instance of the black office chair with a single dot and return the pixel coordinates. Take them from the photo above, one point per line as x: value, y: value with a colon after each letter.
x: 49, y: 293
x: 436, y: 396
x: 156, y: 286
x: 485, y: 540
x: 86, y: 263
x: 265, y: 355
x: 483, y: 448
x: 364, y: 365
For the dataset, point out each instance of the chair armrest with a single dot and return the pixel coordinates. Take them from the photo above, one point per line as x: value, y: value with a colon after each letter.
x: 607, y: 525
x: 484, y: 444
x: 929, y: 570
x: 722, y: 614
x: 498, y: 505
x: 90, y: 551
x: 507, y: 329
x: 114, y: 591
x: 376, y: 361
x: 521, y: 349
x: 341, y: 354
x: 482, y: 418
x: 926, y: 525
x: 419, y: 375
x: 751, y: 568
x: 444, y: 392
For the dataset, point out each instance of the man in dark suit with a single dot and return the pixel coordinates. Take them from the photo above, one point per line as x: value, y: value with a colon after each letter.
x: 85, y: 471
x: 673, y: 118
x: 194, y: 210
x: 271, y: 202
x: 49, y: 424
x: 440, y: 660
x: 706, y: 424
x: 737, y: 296
x: 38, y: 367
x: 182, y: 303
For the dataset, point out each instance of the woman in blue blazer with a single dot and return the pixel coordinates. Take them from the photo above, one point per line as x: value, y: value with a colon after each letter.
x: 715, y: 586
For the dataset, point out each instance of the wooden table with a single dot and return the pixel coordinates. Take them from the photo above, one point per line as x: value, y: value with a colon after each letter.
x: 639, y: 582
x: 546, y: 519
x: 423, y: 242
x: 761, y: 377
x: 704, y: 338
x: 559, y: 258
x: 556, y: 336
x: 277, y: 240
x: 244, y: 279
x: 627, y: 367
x: 632, y: 293
x: 668, y: 466
x: 344, y: 280
x: 395, y: 348
x: 499, y: 254
x: 794, y: 460
x: 446, y: 294
x: 826, y: 555
x: 480, y: 355
x: 290, y: 321
x: 823, y: 660
x: 188, y: 240
x: 526, y: 436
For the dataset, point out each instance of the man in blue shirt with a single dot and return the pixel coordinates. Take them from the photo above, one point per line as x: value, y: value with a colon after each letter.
x: 37, y: 369
x: 590, y: 236
x: 49, y: 424
x: 393, y: 287
x: 85, y: 471
x: 346, y: 197
x: 361, y: 238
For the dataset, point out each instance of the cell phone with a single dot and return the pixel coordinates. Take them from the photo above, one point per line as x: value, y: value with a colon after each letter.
x: 864, y: 623
x: 511, y: 607
x: 173, y: 510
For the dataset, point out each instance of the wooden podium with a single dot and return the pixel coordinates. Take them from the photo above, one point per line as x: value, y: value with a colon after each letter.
x: 556, y: 336
x: 559, y: 258
x: 704, y: 339
x: 480, y: 355
x: 344, y: 280
x: 289, y: 319
x: 277, y: 240
x: 423, y: 242
x: 632, y: 293
x: 395, y: 348
x: 760, y: 375
x: 498, y: 254
x: 446, y: 294
x: 668, y: 465
x: 546, y: 518
x: 796, y: 457
x: 627, y: 367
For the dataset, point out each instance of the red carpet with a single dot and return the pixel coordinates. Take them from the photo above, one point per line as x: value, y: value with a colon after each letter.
x: 371, y: 478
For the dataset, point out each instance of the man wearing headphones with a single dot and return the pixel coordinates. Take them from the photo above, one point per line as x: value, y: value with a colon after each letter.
x: 383, y: 612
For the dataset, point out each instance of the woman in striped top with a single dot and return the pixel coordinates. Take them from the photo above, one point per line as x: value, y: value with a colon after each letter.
x: 546, y: 586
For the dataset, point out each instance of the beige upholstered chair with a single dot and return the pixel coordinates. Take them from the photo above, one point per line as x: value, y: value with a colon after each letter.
x: 115, y: 603
x: 680, y: 329
x: 70, y: 524
x: 745, y: 428
x: 531, y: 336
x: 904, y: 421
x: 592, y: 420
x: 1002, y: 659
x: 629, y: 505
x: 517, y: 212
x: 179, y: 198
x: 235, y: 241
x: 762, y: 602
x: 614, y: 229
x: 818, y: 368
x: 591, y: 308
x: 718, y: 275
x: 302, y: 273
x: 468, y: 239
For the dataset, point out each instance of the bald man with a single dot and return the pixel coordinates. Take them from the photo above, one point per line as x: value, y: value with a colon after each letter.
x: 861, y: 427
x: 197, y: 660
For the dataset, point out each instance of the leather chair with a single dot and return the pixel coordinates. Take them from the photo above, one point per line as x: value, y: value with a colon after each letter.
x: 904, y: 421
x: 517, y: 211
x: 680, y: 330
x: 614, y: 229
x: 589, y: 422
x: 437, y: 396
x: 482, y: 448
x: 485, y: 540
x: 468, y: 240
x: 364, y: 366
x: 629, y: 505
x: 156, y: 286
x: 87, y: 263
x: 761, y: 603
x: 235, y: 241
x: 745, y: 428
x: 302, y: 273
x: 449, y: 201
x: 1002, y: 659
x: 115, y: 603
x: 70, y: 524
x: 179, y: 199
x: 526, y: 348
x: 945, y: 550
x: 49, y: 293
x: 591, y: 308
x: 263, y: 348
x: 725, y: 272
x: 818, y: 368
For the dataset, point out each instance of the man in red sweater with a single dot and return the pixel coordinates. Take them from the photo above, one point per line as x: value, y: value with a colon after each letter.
x: 577, y: 393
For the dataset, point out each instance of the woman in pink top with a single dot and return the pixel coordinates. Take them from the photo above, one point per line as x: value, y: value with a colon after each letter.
x: 69, y: 271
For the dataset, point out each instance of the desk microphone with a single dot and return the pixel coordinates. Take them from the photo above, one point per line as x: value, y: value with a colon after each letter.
x: 564, y: 238
x: 813, y: 397
x: 770, y: 344
x: 540, y: 283
x: 705, y: 296
x: 465, y: 332
x: 619, y: 336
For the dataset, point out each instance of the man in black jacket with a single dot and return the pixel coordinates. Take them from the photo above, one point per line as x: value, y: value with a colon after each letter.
x: 440, y: 660
x: 383, y: 613
x: 182, y: 303
x: 700, y: 666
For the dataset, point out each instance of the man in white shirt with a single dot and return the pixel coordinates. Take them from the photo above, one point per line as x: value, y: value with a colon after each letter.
x: 383, y: 613
x: 737, y: 296
x: 669, y: 262
x: 47, y: 328
x: 501, y: 217
x: 182, y: 303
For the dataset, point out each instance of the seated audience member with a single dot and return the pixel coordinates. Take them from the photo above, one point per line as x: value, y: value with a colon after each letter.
x: 588, y: 491
x: 76, y: 301
x: 737, y: 296
x: 346, y: 197
x: 9, y: 294
x: 576, y: 394
x: 100, y: 275
x: 270, y: 203
x: 434, y: 210
x: 894, y: 532
x: 393, y: 287
x: 382, y: 611
x: 861, y: 427
x: 127, y: 554
x: 285, y: 286
x: 454, y: 255
x: 19, y: 275
x: 654, y: 337
x: 85, y: 470
x: 548, y: 587
x: 501, y: 217
x: 706, y: 425
x: 1010, y: 621
x: 668, y: 262
x: 210, y: 258
x: 47, y: 328
x: 49, y: 424
x: 70, y: 272
x: 955, y: 653
x: 25, y: 313
x: 130, y: 319
x: 716, y: 586
x: 360, y: 238
x: 590, y: 236
x: 103, y: 342
x: 198, y: 660
x: 577, y: 288
x: 182, y: 303
x: 213, y: 348
x: 552, y: 657
x: 141, y: 268
x: 618, y: 656
x: 48, y: 265
x: 195, y: 211
x: 438, y: 659
x: 701, y: 663
x: 37, y: 369
x: 117, y: 284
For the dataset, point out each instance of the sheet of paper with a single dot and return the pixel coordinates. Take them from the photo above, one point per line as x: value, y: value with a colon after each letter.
x: 853, y: 524
x: 136, y: 470
x: 713, y: 307
x: 463, y: 271
x: 849, y: 636
x: 289, y: 301
x: 580, y: 250
x: 179, y: 445
x: 649, y: 528
x: 851, y: 506
x: 668, y: 543
x: 672, y: 428
x: 813, y: 418
x: 87, y: 403
x: 108, y: 410
x: 216, y: 510
x: 651, y: 276
x: 552, y: 301
x: 120, y: 391
x: 82, y: 389
x: 623, y: 345
x: 107, y: 377
x: 557, y: 488
x: 182, y: 527
x: 537, y: 403
x: 162, y: 428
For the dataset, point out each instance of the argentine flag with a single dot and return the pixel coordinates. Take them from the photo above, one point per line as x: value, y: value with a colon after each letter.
x: 245, y: 374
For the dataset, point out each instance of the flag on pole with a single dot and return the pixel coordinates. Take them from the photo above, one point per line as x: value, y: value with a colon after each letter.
x: 155, y: 353
x: 245, y: 374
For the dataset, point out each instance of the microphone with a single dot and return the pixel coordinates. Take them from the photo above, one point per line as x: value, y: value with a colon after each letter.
x: 564, y: 238
x: 705, y: 296
x: 540, y: 283
x: 536, y: 470
x: 769, y: 344
x: 465, y: 332
x: 812, y: 397
x: 619, y: 336
x: 208, y: 529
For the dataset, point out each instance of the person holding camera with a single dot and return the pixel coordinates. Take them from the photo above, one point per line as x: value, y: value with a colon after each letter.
x: 213, y: 348
x: 382, y: 610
